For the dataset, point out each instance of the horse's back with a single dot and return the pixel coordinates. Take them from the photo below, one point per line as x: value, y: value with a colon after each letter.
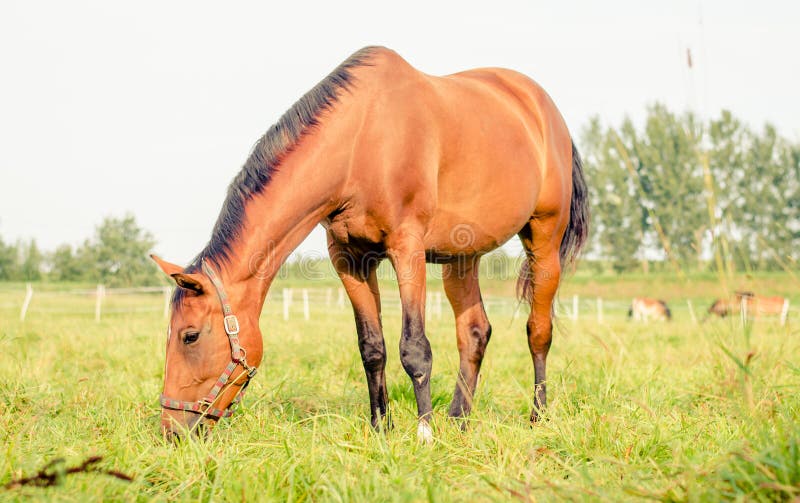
x: 469, y: 149
x: 483, y: 143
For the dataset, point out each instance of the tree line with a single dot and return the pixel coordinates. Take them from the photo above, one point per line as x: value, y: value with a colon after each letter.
x: 675, y: 192
x: 698, y: 194
x: 115, y: 256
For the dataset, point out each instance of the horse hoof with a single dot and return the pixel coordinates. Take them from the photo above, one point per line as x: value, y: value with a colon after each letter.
x: 424, y: 432
x: 460, y: 421
x: 382, y: 425
x: 535, y: 418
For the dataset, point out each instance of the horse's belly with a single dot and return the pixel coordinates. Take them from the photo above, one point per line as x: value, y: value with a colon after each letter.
x: 469, y: 232
x: 481, y: 207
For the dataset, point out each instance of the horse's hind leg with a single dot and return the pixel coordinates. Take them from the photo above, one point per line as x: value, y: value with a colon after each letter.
x: 541, y: 239
x: 472, y: 329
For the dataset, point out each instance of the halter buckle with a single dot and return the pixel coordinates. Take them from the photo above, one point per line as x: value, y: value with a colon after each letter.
x: 231, y: 323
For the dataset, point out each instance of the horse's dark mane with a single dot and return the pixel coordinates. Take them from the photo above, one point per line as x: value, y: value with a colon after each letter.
x: 268, y: 152
x: 266, y: 156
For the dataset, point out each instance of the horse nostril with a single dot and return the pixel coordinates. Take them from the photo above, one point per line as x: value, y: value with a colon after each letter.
x: 172, y: 436
x: 200, y: 431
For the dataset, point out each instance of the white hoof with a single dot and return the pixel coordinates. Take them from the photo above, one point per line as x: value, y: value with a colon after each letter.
x: 424, y: 432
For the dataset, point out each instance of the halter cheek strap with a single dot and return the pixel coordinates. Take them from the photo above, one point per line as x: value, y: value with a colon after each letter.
x: 205, y: 406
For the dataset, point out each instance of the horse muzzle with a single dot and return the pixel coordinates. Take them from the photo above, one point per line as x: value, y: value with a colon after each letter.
x: 177, y: 426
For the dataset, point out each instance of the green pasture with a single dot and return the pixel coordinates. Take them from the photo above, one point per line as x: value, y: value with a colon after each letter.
x: 667, y: 411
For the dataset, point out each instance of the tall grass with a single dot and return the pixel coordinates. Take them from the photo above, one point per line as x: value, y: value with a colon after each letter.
x: 660, y: 411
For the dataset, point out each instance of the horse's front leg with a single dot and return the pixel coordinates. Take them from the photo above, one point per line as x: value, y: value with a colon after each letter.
x: 408, y: 258
x: 361, y: 284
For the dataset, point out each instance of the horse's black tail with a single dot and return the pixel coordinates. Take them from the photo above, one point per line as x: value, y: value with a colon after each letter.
x: 667, y: 312
x: 576, y: 233
x: 578, y: 229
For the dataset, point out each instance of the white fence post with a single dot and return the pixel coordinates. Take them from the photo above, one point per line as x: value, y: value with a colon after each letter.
x: 167, y: 297
x: 328, y: 297
x: 306, y: 311
x: 438, y: 304
x: 599, y: 311
x: 691, y: 311
x: 744, y: 310
x: 575, y: 307
x: 98, y: 303
x: 784, y: 311
x: 340, y: 299
x: 26, y: 302
x: 287, y: 302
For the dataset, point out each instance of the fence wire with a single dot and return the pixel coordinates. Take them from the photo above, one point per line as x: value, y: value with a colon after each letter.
x: 307, y: 303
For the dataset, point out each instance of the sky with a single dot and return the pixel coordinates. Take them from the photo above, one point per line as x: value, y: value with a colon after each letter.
x: 150, y: 108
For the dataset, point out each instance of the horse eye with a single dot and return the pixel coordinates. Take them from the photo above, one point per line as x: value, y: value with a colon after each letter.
x: 190, y: 337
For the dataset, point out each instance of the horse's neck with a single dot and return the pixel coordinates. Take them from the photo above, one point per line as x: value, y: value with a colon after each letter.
x: 302, y: 192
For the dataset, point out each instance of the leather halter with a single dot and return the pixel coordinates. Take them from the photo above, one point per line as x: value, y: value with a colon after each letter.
x: 205, y: 406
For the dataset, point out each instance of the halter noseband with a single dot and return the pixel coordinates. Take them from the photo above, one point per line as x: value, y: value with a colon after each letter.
x: 205, y: 406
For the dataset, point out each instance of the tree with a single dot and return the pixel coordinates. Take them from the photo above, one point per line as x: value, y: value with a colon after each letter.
x: 669, y: 179
x: 728, y: 142
x: 65, y: 265
x: 31, y: 261
x: 118, y: 254
x: 791, y: 155
x: 8, y: 261
x: 756, y: 187
x: 651, y: 192
x: 770, y: 200
x: 616, y: 222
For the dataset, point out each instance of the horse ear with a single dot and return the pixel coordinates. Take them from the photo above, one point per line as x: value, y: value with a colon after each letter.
x: 184, y: 280
x: 188, y: 281
x: 168, y: 267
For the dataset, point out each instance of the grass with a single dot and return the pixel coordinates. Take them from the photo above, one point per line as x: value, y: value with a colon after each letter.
x: 671, y: 412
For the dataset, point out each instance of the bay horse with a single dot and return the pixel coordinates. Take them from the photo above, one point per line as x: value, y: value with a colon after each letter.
x: 644, y: 308
x: 399, y: 165
x: 755, y: 306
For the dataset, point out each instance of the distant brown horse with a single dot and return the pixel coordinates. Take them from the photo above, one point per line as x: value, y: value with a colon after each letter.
x: 754, y: 305
x: 644, y: 308
x: 395, y: 164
